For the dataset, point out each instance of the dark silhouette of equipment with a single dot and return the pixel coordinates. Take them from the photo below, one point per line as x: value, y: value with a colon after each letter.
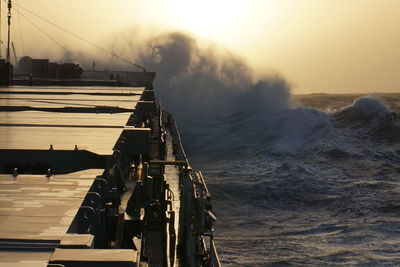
x: 6, y: 71
x: 65, y: 70
x: 42, y: 68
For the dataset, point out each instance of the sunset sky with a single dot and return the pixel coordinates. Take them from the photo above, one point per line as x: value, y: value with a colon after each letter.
x: 340, y: 46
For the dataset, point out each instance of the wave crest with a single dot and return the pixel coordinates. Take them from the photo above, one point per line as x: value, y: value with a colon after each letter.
x: 371, y: 115
x: 363, y: 110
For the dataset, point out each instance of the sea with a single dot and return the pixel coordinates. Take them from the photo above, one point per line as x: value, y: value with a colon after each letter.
x: 313, y: 183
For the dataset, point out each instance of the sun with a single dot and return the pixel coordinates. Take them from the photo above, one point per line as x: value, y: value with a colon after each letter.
x: 207, y: 17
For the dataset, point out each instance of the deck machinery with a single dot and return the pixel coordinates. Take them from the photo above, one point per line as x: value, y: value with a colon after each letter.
x: 97, y: 176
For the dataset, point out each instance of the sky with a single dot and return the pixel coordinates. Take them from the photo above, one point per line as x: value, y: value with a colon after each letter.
x: 329, y: 46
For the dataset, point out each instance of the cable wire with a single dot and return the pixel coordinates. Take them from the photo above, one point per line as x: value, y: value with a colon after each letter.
x: 45, y: 33
x: 82, y: 39
x: 20, y: 32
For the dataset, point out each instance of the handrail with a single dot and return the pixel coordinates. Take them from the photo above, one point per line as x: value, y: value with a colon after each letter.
x: 176, y: 135
x: 196, y: 206
x: 214, y: 258
x: 208, y: 195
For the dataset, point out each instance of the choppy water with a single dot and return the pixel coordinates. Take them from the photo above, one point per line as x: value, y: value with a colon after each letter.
x: 304, y: 186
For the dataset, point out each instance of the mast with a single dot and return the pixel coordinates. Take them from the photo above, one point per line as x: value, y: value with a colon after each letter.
x: 9, y: 30
x: 0, y: 32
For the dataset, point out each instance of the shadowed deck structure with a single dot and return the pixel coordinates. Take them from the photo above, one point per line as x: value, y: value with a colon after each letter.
x: 97, y: 176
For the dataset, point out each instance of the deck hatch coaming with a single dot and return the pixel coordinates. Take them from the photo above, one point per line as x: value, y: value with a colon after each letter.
x: 89, y: 130
x: 35, y: 207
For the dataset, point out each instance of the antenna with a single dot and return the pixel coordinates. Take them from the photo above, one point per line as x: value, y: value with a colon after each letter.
x: 9, y: 30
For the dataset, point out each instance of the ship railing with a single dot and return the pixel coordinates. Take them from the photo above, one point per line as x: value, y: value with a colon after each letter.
x: 202, y: 217
x: 204, y: 186
x: 122, y: 78
x: 214, y: 258
x: 168, y: 119
x: 28, y: 76
x: 197, y: 206
x: 130, y: 78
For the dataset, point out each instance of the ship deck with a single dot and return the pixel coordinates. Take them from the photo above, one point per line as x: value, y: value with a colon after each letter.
x: 97, y: 176
x: 37, y: 210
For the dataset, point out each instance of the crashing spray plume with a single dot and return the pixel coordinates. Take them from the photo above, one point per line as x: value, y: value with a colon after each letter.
x: 200, y: 82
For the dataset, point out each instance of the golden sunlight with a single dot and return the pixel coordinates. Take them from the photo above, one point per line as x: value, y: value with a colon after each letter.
x: 207, y: 17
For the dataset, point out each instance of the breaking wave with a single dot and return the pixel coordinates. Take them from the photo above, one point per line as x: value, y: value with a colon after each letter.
x: 207, y: 86
x: 205, y: 82
x: 364, y: 110
x: 277, y: 127
x: 372, y: 116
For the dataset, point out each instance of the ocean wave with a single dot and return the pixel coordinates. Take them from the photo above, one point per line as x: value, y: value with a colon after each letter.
x: 372, y: 116
x: 363, y: 110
